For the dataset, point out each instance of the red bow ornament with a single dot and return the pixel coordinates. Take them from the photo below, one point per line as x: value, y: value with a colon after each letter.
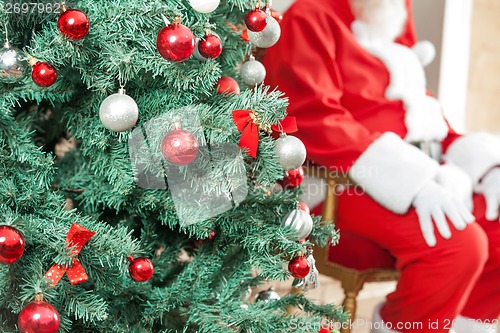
x: 77, y: 237
x: 250, y: 122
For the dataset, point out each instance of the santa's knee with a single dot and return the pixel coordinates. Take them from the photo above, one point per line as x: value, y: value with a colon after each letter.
x: 467, y: 252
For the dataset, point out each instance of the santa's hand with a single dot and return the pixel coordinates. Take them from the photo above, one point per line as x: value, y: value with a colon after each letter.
x: 434, y: 203
x: 457, y: 182
x: 489, y: 186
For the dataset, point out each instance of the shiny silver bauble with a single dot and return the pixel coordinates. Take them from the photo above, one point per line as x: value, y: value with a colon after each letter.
x: 267, y: 295
x: 196, y: 52
x: 267, y: 37
x: 119, y: 112
x: 204, y: 6
x: 291, y: 152
x: 13, y: 64
x: 252, y: 73
x: 299, y: 221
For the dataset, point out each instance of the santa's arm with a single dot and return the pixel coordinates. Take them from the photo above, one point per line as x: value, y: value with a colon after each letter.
x: 475, y: 153
x: 305, y: 67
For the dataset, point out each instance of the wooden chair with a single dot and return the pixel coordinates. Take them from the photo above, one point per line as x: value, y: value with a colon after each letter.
x: 352, y: 279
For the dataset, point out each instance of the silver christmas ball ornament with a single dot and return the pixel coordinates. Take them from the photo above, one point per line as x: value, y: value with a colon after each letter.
x: 13, y: 64
x: 267, y: 37
x: 196, y: 52
x: 300, y: 221
x: 246, y: 294
x: 119, y: 112
x: 267, y: 295
x: 204, y: 6
x: 291, y: 152
x: 252, y: 72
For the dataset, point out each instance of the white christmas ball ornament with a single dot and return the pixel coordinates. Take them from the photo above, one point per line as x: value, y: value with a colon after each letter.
x: 252, y: 73
x: 119, y: 112
x: 267, y: 37
x: 291, y: 152
x: 204, y: 6
x: 300, y: 221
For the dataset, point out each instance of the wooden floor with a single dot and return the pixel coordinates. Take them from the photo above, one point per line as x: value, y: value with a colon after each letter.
x: 330, y: 292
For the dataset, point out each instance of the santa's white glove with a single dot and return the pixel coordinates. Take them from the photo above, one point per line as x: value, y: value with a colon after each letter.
x: 457, y: 182
x: 434, y: 203
x: 489, y: 186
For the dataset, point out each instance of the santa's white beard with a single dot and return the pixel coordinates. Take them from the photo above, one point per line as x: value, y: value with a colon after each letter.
x: 385, y: 18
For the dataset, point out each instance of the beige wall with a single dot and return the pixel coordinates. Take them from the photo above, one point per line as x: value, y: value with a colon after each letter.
x: 429, y: 25
x: 483, y: 107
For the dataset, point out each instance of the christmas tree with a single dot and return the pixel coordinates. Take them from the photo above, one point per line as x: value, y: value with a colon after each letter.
x: 138, y: 180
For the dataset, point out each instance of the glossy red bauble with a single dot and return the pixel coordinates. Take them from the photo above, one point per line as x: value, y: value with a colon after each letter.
x: 175, y: 42
x: 11, y: 244
x: 39, y: 317
x: 303, y: 206
x: 293, y: 178
x: 277, y: 16
x: 140, y: 269
x: 228, y: 85
x: 179, y: 147
x: 256, y: 20
x: 324, y: 330
x: 244, y: 35
x: 210, y: 46
x: 299, y: 267
x: 44, y: 74
x: 74, y: 24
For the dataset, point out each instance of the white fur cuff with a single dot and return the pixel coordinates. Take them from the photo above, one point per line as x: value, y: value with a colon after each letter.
x: 475, y: 153
x: 392, y: 172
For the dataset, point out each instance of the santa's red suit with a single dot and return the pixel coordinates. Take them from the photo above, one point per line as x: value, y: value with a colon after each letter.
x: 360, y: 103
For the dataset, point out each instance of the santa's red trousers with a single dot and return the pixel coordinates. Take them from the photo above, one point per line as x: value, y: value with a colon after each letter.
x: 457, y: 276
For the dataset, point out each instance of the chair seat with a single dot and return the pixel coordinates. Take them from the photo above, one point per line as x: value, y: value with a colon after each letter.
x: 356, y: 252
x: 359, y: 253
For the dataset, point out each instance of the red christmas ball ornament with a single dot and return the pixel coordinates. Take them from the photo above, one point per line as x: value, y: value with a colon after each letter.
x: 293, y: 178
x: 196, y: 244
x: 44, y: 74
x: 179, y: 146
x: 244, y: 36
x: 175, y: 42
x: 299, y: 267
x: 303, y: 206
x: 39, y: 317
x: 210, y: 46
x: 11, y: 244
x: 73, y: 23
x: 140, y: 269
x: 277, y: 16
x: 228, y: 85
x: 256, y: 20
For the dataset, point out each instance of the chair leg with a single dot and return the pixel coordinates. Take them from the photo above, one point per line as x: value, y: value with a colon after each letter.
x: 291, y: 310
x: 349, y: 305
x: 352, y: 287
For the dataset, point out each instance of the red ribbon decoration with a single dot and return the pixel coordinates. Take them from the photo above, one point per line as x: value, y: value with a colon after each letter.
x: 249, y: 123
x: 77, y: 237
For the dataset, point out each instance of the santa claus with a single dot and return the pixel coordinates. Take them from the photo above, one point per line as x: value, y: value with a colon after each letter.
x: 354, y: 75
